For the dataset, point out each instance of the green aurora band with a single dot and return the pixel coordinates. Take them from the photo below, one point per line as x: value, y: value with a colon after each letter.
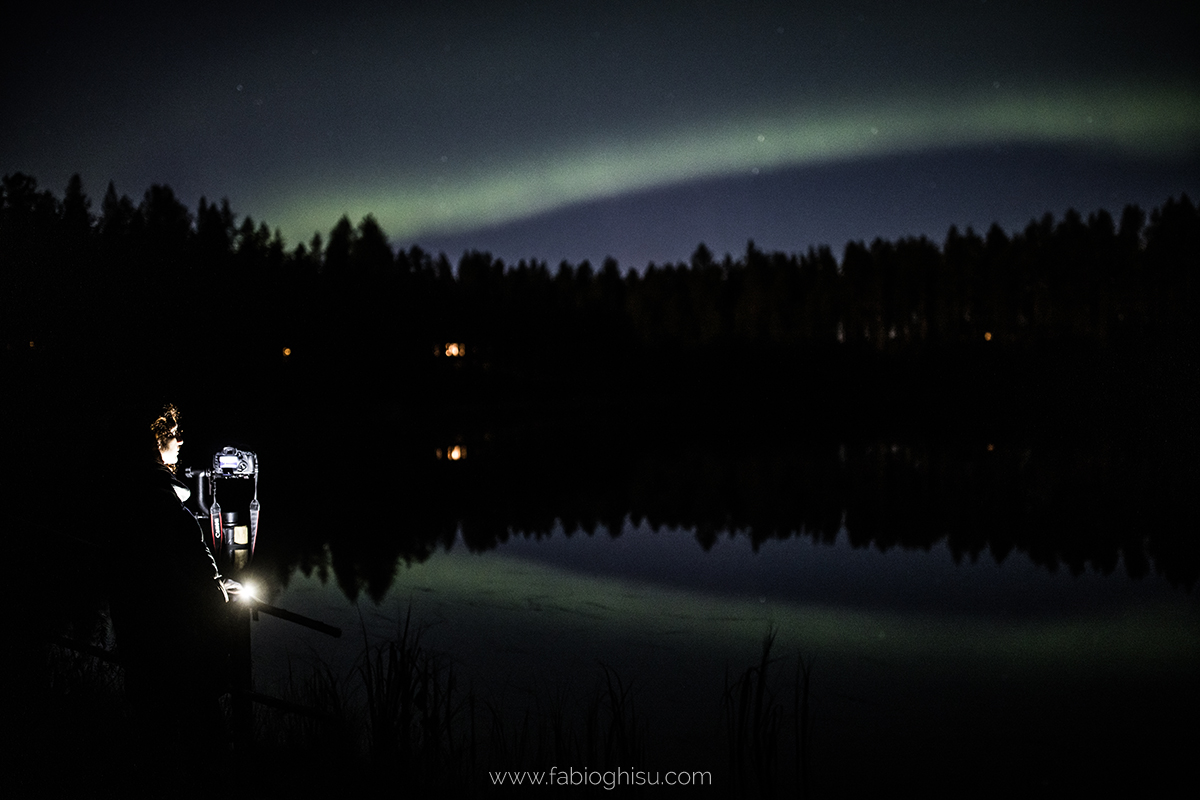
x: 1143, y: 121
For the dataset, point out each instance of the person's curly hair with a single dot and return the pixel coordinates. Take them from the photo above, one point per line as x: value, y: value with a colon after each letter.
x: 167, y: 421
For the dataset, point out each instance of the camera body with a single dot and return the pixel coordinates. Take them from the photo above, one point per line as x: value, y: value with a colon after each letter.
x: 232, y: 527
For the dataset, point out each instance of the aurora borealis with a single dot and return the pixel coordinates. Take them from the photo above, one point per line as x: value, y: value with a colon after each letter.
x: 581, y: 130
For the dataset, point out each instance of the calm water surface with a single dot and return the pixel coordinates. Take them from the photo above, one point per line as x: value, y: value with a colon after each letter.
x: 924, y: 669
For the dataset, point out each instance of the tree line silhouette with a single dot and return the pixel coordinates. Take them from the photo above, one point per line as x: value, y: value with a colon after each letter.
x: 154, y: 280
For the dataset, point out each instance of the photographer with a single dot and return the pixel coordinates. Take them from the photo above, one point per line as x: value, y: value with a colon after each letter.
x: 169, y: 612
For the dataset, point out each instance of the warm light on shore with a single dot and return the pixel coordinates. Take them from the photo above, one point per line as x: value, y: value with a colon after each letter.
x: 453, y: 453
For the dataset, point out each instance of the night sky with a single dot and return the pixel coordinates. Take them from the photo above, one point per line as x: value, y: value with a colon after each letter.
x: 629, y: 128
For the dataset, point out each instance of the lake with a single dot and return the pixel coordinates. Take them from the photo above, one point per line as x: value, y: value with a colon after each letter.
x: 955, y: 640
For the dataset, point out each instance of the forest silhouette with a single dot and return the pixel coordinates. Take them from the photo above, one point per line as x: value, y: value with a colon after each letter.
x: 913, y: 316
x: 1067, y: 346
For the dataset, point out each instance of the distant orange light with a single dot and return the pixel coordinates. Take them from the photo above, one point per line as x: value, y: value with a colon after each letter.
x: 287, y: 351
x: 991, y: 448
x: 456, y: 453
x: 456, y: 349
x: 31, y: 344
x: 987, y: 337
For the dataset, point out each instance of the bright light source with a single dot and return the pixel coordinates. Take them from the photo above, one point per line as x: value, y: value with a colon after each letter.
x: 457, y: 453
x: 287, y: 351
x: 249, y: 592
x: 987, y: 337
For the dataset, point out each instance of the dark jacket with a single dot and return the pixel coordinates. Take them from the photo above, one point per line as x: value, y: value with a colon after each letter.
x: 168, y: 607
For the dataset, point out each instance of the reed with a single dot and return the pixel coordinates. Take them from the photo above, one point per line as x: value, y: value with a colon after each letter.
x: 615, y: 735
x: 65, y: 705
x: 753, y: 717
x: 415, y: 715
x: 801, y: 720
x: 331, y: 725
x: 755, y: 714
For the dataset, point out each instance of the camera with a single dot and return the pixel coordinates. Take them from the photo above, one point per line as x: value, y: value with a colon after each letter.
x: 233, y: 527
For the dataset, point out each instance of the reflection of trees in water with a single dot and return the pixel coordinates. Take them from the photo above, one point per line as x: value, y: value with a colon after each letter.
x: 1075, y: 507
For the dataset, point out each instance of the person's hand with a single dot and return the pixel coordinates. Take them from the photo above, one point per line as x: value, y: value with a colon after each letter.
x: 230, y: 588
